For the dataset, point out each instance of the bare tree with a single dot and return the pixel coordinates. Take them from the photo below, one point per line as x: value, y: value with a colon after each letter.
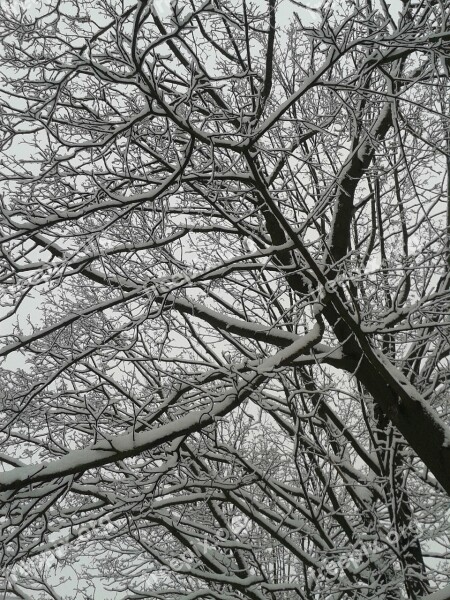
x: 235, y: 238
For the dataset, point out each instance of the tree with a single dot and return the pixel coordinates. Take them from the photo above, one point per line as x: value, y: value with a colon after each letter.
x: 235, y: 238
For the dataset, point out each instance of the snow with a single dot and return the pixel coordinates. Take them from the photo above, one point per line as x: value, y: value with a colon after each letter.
x: 302, y: 345
x: 443, y: 594
x: 131, y: 444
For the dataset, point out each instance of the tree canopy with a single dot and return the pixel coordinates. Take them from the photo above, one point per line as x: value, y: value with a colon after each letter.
x: 229, y: 224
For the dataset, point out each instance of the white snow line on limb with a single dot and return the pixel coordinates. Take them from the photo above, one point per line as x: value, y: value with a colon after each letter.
x: 302, y: 345
x: 443, y: 594
x: 128, y: 445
